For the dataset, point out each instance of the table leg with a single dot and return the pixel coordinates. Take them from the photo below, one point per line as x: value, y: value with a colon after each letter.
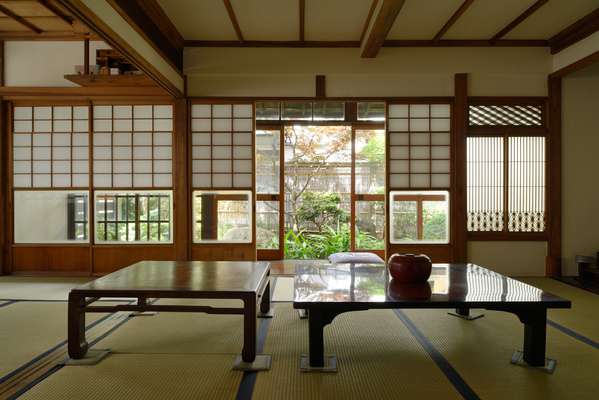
x: 535, y: 334
x: 316, y: 360
x: 464, y: 313
x: 248, y: 354
x: 76, y: 327
x: 265, y: 311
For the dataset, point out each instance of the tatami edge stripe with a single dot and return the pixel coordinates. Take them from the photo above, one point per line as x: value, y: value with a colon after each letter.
x: 45, y: 353
x: 573, y: 334
x: 37, y: 380
x: 248, y: 381
x: 450, y: 372
x: 8, y: 303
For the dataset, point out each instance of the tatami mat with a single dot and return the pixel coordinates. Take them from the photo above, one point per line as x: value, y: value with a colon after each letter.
x: 37, y: 288
x: 480, y: 351
x: 27, y: 329
x: 147, y: 376
x: 582, y: 317
x: 378, y: 359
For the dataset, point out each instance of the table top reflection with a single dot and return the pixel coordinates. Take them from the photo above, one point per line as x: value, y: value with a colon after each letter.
x: 182, y: 276
x: 448, y: 283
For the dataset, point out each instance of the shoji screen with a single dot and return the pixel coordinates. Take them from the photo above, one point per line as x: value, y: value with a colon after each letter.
x: 419, y: 145
x: 133, y: 146
x: 50, y: 146
x: 222, y: 146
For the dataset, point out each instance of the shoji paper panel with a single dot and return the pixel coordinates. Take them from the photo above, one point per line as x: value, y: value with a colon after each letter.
x: 50, y: 146
x: 133, y: 146
x: 222, y: 145
x: 419, y: 145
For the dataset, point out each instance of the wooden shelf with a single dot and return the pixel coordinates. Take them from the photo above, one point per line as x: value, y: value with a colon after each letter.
x: 110, y: 80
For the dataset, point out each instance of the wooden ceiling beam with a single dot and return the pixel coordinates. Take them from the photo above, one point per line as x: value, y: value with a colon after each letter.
x: 579, y: 30
x: 233, y: 19
x: 57, y: 11
x: 148, y: 19
x: 47, y: 36
x: 8, y: 12
x: 355, y: 43
x: 368, y: 18
x: 452, y: 20
x: 519, y: 19
x: 302, y: 20
x: 382, y: 20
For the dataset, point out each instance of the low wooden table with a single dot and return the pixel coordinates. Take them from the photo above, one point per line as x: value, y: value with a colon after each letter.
x: 246, y: 281
x: 326, y: 291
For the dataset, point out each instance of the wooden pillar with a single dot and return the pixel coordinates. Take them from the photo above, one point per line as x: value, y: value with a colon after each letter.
x: 86, y: 56
x: 458, y: 184
x: 553, y: 266
x: 5, y: 259
x: 182, y: 201
x: 321, y: 91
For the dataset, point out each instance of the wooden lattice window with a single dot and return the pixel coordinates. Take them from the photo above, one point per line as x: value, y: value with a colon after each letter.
x: 506, y: 184
x: 133, y: 146
x: 419, y: 145
x: 50, y: 146
x: 505, y: 115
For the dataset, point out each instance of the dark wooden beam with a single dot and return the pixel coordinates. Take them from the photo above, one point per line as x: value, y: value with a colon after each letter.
x: 576, y: 66
x: 9, y: 13
x: 47, y: 36
x: 460, y: 128
x: 554, y: 181
x: 148, y: 19
x: 302, y: 20
x: 382, y: 20
x: 368, y: 18
x: 353, y: 43
x: 452, y: 20
x: 321, y: 86
x: 519, y: 19
x: 579, y: 30
x: 50, y: 6
x: 233, y: 19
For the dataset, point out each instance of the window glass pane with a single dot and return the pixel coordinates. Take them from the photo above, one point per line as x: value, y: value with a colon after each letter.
x: 268, y: 110
x: 138, y: 217
x: 223, y: 216
x: 297, y: 110
x: 419, y: 217
x: 371, y: 111
x: 370, y: 225
x: 268, y: 157
x: 267, y: 224
x: 58, y: 216
x: 370, y: 161
x: 329, y: 111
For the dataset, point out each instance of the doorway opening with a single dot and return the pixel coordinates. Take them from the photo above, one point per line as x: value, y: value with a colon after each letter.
x: 321, y: 190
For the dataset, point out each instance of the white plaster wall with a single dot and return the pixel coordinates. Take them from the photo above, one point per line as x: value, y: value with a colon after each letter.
x: 44, y: 63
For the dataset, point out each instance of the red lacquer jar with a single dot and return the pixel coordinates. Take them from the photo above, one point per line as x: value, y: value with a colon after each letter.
x: 410, y: 268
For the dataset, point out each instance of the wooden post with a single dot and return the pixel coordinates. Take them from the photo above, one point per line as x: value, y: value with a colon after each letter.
x: 4, y: 192
x: 554, y: 184
x: 182, y: 214
x: 321, y: 86
x: 458, y: 203
x: 86, y: 57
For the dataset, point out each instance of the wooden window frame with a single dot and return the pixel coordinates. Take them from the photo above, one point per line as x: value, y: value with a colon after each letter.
x: 419, y: 199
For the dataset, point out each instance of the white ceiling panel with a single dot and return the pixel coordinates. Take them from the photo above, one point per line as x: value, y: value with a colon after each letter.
x: 552, y: 18
x: 335, y: 19
x: 200, y: 20
x: 422, y: 19
x: 267, y: 19
x: 484, y: 18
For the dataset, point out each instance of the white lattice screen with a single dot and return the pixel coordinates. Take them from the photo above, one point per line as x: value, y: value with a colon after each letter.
x: 419, y: 145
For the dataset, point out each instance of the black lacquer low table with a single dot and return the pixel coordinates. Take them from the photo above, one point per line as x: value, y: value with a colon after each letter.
x: 245, y: 281
x: 326, y: 291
